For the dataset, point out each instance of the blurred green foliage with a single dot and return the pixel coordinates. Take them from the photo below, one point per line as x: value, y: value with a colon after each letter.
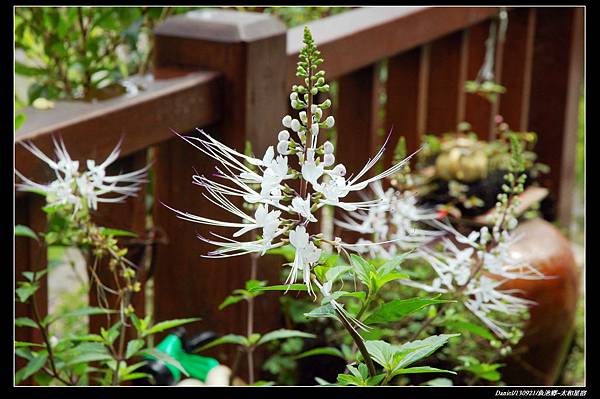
x: 85, y: 52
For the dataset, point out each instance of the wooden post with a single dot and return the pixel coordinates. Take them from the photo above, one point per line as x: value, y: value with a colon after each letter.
x: 443, y: 89
x: 403, y: 105
x: 555, y: 86
x: 249, y: 49
x: 356, y: 121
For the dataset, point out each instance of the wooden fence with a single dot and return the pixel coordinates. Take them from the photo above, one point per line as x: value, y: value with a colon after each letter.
x: 230, y: 73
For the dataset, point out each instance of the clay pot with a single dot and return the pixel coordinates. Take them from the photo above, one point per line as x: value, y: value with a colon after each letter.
x: 549, y: 331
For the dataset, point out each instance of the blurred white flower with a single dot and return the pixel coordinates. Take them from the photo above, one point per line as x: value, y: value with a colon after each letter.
x: 82, y: 188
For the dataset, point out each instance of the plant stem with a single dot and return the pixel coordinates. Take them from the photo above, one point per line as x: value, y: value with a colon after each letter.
x: 359, y: 343
x: 250, y: 319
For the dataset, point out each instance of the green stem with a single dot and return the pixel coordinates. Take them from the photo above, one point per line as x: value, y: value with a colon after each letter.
x: 359, y: 343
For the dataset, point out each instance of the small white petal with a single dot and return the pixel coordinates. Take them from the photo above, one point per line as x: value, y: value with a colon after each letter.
x: 328, y: 147
x: 330, y: 121
x: 283, y: 135
x: 328, y: 159
x: 286, y: 121
x: 295, y: 125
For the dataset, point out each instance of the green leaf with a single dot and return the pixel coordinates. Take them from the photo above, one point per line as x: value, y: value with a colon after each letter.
x: 362, y: 268
x: 322, y: 311
x: 25, y: 322
x: 334, y: 273
x: 163, y: 357
x: 116, y: 232
x: 226, y: 339
x: 291, y: 287
x: 21, y: 344
x: 381, y: 352
x: 230, y: 300
x: 165, y: 325
x: 487, y: 371
x: 320, y: 351
x: 35, y: 276
x: 282, y: 334
x: 137, y: 324
x: 287, y: 251
x: 473, y: 328
x: 253, y: 285
x: 88, y: 357
x: 24, y: 231
x: 34, y: 365
x: 413, y: 351
x: 398, y: 308
x: 422, y: 369
x: 133, y: 346
x: 26, y: 290
x: 26, y: 70
x: 19, y: 120
x: 87, y: 311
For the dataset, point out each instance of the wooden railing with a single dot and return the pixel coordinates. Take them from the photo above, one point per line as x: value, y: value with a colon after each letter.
x: 233, y: 72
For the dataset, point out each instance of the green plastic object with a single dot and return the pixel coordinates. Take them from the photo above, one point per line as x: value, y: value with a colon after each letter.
x: 197, y: 366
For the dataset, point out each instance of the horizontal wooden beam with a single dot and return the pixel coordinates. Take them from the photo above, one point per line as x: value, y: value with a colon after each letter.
x: 91, y: 130
x: 354, y: 39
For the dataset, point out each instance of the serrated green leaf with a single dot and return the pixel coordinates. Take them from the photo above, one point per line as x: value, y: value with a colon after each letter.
x: 282, y: 334
x: 167, y: 324
x: 398, y: 308
x: 133, y: 346
x: 362, y: 268
x: 414, y: 351
x: 24, y: 231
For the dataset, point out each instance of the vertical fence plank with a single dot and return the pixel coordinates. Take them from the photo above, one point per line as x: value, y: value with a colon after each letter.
x: 28, y: 258
x: 555, y: 85
x: 402, y: 105
x: 356, y: 120
x: 131, y: 216
x: 516, y: 67
x: 443, y: 89
x: 477, y: 109
x: 249, y: 50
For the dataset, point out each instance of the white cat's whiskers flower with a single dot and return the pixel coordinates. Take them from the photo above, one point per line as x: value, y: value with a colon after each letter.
x: 88, y: 187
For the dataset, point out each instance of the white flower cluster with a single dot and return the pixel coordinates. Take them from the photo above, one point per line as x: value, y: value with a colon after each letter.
x: 282, y: 212
x: 456, y: 266
x: 82, y: 188
x: 397, y: 219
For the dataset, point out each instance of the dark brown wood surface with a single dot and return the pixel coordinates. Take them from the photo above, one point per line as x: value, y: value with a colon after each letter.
x: 554, y: 100
x: 357, y: 38
x: 92, y: 130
